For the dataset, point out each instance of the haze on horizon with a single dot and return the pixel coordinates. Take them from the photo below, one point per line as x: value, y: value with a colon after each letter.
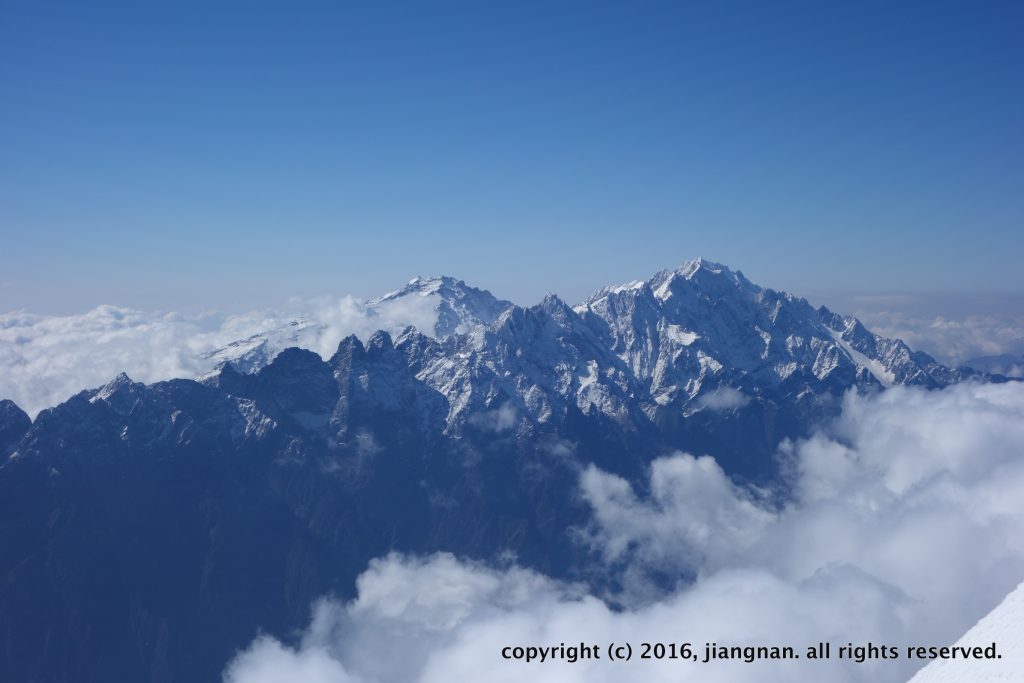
x: 187, y: 156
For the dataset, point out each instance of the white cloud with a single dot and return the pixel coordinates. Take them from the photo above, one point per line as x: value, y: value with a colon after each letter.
x: 952, y: 326
x: 46, y: 359
x: 695, y: 517
x: 366, y: 444
x: 501, y: 419
x: 949, y: 339
x: 1004, y: 364
x: 724, y: 398
x: 904, y: 526
x: 268, y: 661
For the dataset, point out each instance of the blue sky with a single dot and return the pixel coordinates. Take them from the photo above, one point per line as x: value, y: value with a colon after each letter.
x: 212, y: 154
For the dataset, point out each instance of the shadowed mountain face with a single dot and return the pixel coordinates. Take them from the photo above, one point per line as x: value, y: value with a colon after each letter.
x: 150, y: 531
x: 14, y: 422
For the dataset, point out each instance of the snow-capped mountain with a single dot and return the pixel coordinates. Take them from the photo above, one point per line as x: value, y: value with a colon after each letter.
x: 459, y: 308
x: 438, y: 306
x: 702, y: 328
x: 699, y: 337
x: 695, y: 357
x: 534, y: 362
x: 256, y: 351
x: 461, y: 425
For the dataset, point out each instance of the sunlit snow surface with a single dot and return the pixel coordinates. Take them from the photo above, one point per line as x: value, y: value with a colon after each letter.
x: 873, y: 366
x: 46, y: 359
x: 672, y: 342
x: 1003, y: 626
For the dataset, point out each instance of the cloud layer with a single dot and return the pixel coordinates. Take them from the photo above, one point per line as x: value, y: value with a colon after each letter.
x: 904, y: 526
x: 952, y: 326
x: 951, y: 340
x: 46, y: 359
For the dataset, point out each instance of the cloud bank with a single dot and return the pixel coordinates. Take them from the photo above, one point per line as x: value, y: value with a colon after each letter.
x: 951, y: 340
x: 904, y: 527
x: 953, y: 326
x: 46, y: 359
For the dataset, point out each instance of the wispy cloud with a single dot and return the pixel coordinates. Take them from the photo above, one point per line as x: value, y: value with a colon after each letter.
x: 500, y: 419
x: 724, y: 398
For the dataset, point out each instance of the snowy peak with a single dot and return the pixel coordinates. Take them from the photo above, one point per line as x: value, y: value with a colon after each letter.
x: 120, y: 385
x: 120, y: 393
x: 441, y: 285
x: 694, y: 274
x: 702, y: 276
x: 256, y: 351
x: 668, y: 360
x: 439, y: 307
x: 693, y: 330
x: 665, y: 345
x: 458, y: 307
x: 891, y: 361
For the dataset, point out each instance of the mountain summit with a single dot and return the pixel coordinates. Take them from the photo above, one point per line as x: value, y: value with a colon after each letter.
x: 459, y: 307
x: 703, y: 327
x: 684, y: 335
x: 129, y: 512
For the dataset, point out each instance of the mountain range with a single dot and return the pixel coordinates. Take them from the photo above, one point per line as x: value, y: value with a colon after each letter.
x: 149, y: 531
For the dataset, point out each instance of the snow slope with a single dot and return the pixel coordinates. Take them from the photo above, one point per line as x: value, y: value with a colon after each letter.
x: 1004, y: 626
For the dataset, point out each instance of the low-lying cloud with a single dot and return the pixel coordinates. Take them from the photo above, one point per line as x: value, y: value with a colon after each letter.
x: 723, y: 399
x: 954, y: 326
x: 500, y: 419
x: 904, y: 527
x: 46, y: 359
x: 952, y: 340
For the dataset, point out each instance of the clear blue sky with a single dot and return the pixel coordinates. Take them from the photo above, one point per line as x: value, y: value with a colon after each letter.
x: 184, y: 154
